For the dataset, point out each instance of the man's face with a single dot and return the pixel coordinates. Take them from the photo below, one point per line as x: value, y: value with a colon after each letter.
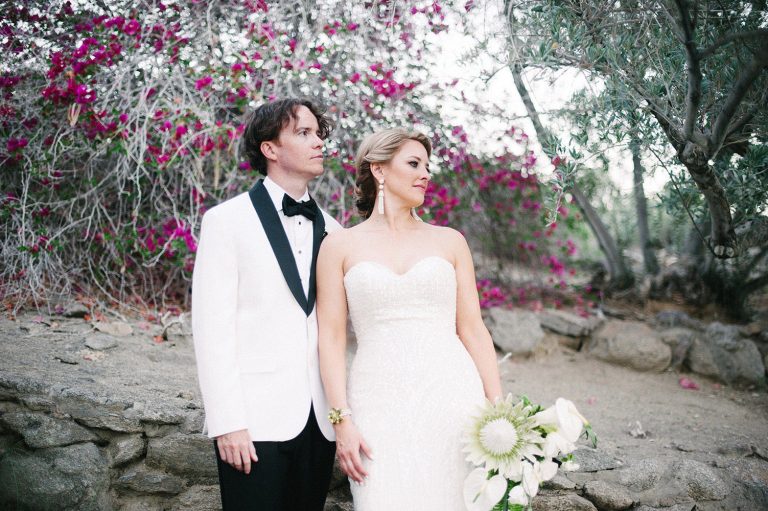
x: 299, y: 148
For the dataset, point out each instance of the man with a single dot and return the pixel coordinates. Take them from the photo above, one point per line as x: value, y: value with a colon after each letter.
x: 254, y: 321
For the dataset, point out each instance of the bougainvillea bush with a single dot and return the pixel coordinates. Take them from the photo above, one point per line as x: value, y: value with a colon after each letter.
x: 120, y: 124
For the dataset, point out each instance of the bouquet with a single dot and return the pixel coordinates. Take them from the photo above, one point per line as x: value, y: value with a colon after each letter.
x: 517, y: 446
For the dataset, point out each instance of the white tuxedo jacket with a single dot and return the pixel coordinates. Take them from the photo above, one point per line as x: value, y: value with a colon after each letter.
x: 255, y: 331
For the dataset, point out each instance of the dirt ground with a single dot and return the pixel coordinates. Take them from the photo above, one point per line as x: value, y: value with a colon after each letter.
x: 715, y: 419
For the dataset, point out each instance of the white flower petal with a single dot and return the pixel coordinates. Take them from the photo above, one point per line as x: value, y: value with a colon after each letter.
x: 547, y: 470
x: 517, y: 496
x: 480, y: 493
x: 569, y: 466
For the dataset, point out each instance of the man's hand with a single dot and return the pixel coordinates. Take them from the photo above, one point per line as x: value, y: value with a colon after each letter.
x: 237, y: 449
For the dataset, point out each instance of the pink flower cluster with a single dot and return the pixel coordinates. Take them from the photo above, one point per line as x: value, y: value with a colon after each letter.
x: 491, y: 295
x: 383, y: 83
x: 155, y: 241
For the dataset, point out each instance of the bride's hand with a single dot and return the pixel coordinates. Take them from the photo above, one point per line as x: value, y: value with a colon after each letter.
x: 349, y: 443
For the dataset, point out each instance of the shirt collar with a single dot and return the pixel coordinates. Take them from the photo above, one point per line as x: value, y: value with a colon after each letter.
x: 276, y: 193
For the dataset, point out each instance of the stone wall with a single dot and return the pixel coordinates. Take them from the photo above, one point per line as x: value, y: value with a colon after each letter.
x: 99, y: 429
x: 107, y: 416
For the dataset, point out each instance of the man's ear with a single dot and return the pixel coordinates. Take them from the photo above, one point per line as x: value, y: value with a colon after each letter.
x: 268, y: 150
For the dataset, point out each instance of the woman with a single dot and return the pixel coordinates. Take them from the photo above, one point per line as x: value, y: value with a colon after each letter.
x: 424, y: 358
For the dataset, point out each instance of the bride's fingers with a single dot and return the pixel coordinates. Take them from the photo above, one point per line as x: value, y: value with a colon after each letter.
x: 357, y: 462
x: 366, y: 450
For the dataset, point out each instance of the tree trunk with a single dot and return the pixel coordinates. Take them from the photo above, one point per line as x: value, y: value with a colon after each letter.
x: 620, y: 277
x: 641, y: 207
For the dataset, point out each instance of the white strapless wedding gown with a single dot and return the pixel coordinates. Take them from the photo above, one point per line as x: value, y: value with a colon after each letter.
x: 412, y: 386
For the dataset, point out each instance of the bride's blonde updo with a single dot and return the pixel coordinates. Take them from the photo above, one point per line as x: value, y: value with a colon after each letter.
x: 379, y: 147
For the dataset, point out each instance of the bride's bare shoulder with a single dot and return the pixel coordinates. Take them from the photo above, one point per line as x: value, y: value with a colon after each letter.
x: 444, y: 234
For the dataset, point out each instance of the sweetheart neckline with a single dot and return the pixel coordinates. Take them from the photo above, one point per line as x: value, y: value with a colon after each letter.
x: 393, y: 272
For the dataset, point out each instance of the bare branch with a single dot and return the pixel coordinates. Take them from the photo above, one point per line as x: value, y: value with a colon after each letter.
x: 693, y: 95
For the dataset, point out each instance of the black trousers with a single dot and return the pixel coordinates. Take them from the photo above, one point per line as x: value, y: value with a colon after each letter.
x: 290, y: 476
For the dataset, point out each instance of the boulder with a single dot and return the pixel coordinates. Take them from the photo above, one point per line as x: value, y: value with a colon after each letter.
x: 40, y: 431
x: 679, y: 340
x: 190, y: 456
x: 721, y: 353
x: 566, y: 323
x: 179, y: 330
x: 73, y: 310
x: 630, y: 344
x: 116, y: 328
x: 700, y: 481
x: 608, y: 496
x: 643, y: 474
x: 72, y: 477
x: 595, y: 460
x: 96, y: 411
x: 199, y: 498
x: 142, y: 479
x: 126, y: 448
x: 569, y: 502
x: 100, y: 342
x: 515, y: 331
x: 672, y: 318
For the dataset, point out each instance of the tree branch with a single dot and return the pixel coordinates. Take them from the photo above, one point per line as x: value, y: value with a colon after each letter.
x: 731, y: 37
x: 745, y: 81
x: 693, y: 95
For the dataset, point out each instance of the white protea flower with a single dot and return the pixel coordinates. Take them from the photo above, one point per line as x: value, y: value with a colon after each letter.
x: 564, y: 417
x: 502, y: 436
x: 482, y: 493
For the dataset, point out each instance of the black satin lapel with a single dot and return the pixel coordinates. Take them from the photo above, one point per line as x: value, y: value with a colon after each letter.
x: 318, y: 233
x: 273, y: 227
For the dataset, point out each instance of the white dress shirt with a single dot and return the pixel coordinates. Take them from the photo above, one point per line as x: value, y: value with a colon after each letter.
x: 298, y: 229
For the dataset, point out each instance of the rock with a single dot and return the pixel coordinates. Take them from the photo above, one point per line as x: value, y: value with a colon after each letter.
x: 199, y: 498
x: 642, y: 474
x: 126, y: 448
x: 179, y: 330
x: 515, y: 331
x: 143, y: 479
x: 72, y: 477
x: 752, y: 329
x: 700, y: 481
x: 68, y: 358
x: 41, y: 431
x: 570, y: 502
x: 100, y: 342
x: 559, y: 482
x: 672, y: 318
x: 679, y: 340
x: 565, y: 323
x: 116, y: 328
x: 74, y: 310
x: 594, y: 460
x: 677, y: 507
x: 608, y: 496
x: 38, y: 403
x: 191, y: 456
x: 631, y: 344
x: 721, y: 353
x: 93, y: 410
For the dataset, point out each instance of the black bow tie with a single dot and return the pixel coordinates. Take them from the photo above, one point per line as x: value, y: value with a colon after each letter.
x: 306, y: 208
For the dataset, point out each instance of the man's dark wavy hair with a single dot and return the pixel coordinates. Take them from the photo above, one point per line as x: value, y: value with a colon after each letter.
x: 266, y: 122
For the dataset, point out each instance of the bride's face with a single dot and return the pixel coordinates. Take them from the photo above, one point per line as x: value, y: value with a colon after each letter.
x: 406, y: 175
